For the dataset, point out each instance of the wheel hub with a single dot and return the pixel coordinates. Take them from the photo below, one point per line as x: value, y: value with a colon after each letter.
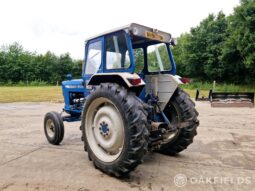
x: 104, y: 130
x: 50, y: 128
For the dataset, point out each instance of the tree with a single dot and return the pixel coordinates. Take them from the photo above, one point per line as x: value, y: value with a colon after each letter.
x: 179, y: 52
x: 76, y: 69
x: 238, y: 54
x: 198, y: 52
x: 17, y: 64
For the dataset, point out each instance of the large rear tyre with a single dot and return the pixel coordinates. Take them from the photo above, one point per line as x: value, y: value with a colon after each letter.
x: 114, y: 129
x: 180, y: 109
x: 53, y: 127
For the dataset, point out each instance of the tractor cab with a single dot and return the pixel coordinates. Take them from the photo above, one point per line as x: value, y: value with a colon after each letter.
x: 133, y: 48
x: 129, y: 56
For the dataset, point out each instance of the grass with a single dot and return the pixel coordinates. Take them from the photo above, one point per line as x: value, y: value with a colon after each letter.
x: 30, y: 94
x: 54, y: 93
x: 204, y: 88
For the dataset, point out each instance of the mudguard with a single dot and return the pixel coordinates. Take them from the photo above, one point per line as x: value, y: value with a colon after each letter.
x: 132, y: 82
x: 123, y: 78
x: 163, y: 86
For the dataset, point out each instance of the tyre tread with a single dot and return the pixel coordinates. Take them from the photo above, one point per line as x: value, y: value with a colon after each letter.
x: 186, y: 135
x: 138, y: 133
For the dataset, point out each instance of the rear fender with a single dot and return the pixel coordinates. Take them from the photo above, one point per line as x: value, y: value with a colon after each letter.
x: 123, y: 79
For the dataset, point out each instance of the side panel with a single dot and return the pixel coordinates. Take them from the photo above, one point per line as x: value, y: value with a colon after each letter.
x: 162, y: 85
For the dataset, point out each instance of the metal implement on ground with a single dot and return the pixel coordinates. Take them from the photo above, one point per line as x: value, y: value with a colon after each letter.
x: 232, y: 99
x: 202, y: 98
x: 228, y: 99
x: 128, y: 101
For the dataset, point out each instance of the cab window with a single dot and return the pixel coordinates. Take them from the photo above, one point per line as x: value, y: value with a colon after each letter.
x: 94, y: 57
x: 158, y: 58
x: 117, y: 52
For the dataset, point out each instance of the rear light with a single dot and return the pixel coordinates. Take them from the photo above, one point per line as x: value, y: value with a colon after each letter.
x: 185, y: 80
x: 135, y: 81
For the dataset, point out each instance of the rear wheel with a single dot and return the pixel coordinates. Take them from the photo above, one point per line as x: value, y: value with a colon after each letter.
x: 114, y: 129
x: 180, y: 109
x: 53, y: 127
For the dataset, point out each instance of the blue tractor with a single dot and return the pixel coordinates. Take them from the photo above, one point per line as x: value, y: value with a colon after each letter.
x: 128, y: 100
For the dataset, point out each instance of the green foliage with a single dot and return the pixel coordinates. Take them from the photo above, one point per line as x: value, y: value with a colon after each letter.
x: 18, y: 66
x: 239, y: 48
x: 179, y: 52
x: 222, y: 87
x: 198, y: 52
x: 139, y: 60
x: 221, y: 48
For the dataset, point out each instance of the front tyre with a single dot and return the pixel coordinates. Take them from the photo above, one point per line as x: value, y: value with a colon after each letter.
x: 53, y: 127
x: 180, y: 109
x: 114, y: 129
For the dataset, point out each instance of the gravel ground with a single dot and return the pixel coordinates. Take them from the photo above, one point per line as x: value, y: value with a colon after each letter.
x: 222, y: 156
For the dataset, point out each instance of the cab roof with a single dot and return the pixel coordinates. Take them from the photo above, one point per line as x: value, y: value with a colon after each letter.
x: 138, y: 30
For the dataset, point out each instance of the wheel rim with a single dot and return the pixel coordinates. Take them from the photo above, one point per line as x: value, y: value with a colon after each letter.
x: 104, y: 129
x: 50, y: 128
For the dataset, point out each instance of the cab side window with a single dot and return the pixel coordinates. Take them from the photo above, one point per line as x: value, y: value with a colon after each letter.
x: 94, y: 57
x: 117, y: 52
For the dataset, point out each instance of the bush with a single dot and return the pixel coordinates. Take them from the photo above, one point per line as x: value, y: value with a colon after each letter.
x: 27, y: 83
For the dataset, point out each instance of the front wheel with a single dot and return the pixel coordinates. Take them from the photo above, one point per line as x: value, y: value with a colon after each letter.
x: 114, y: 129
x: 180, y: 109
x: 53, y: 127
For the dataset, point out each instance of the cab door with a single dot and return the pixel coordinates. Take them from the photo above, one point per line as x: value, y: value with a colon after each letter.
x: 93, y: 61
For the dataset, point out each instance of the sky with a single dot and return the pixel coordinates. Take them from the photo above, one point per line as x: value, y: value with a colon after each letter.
x: 63, y: 25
